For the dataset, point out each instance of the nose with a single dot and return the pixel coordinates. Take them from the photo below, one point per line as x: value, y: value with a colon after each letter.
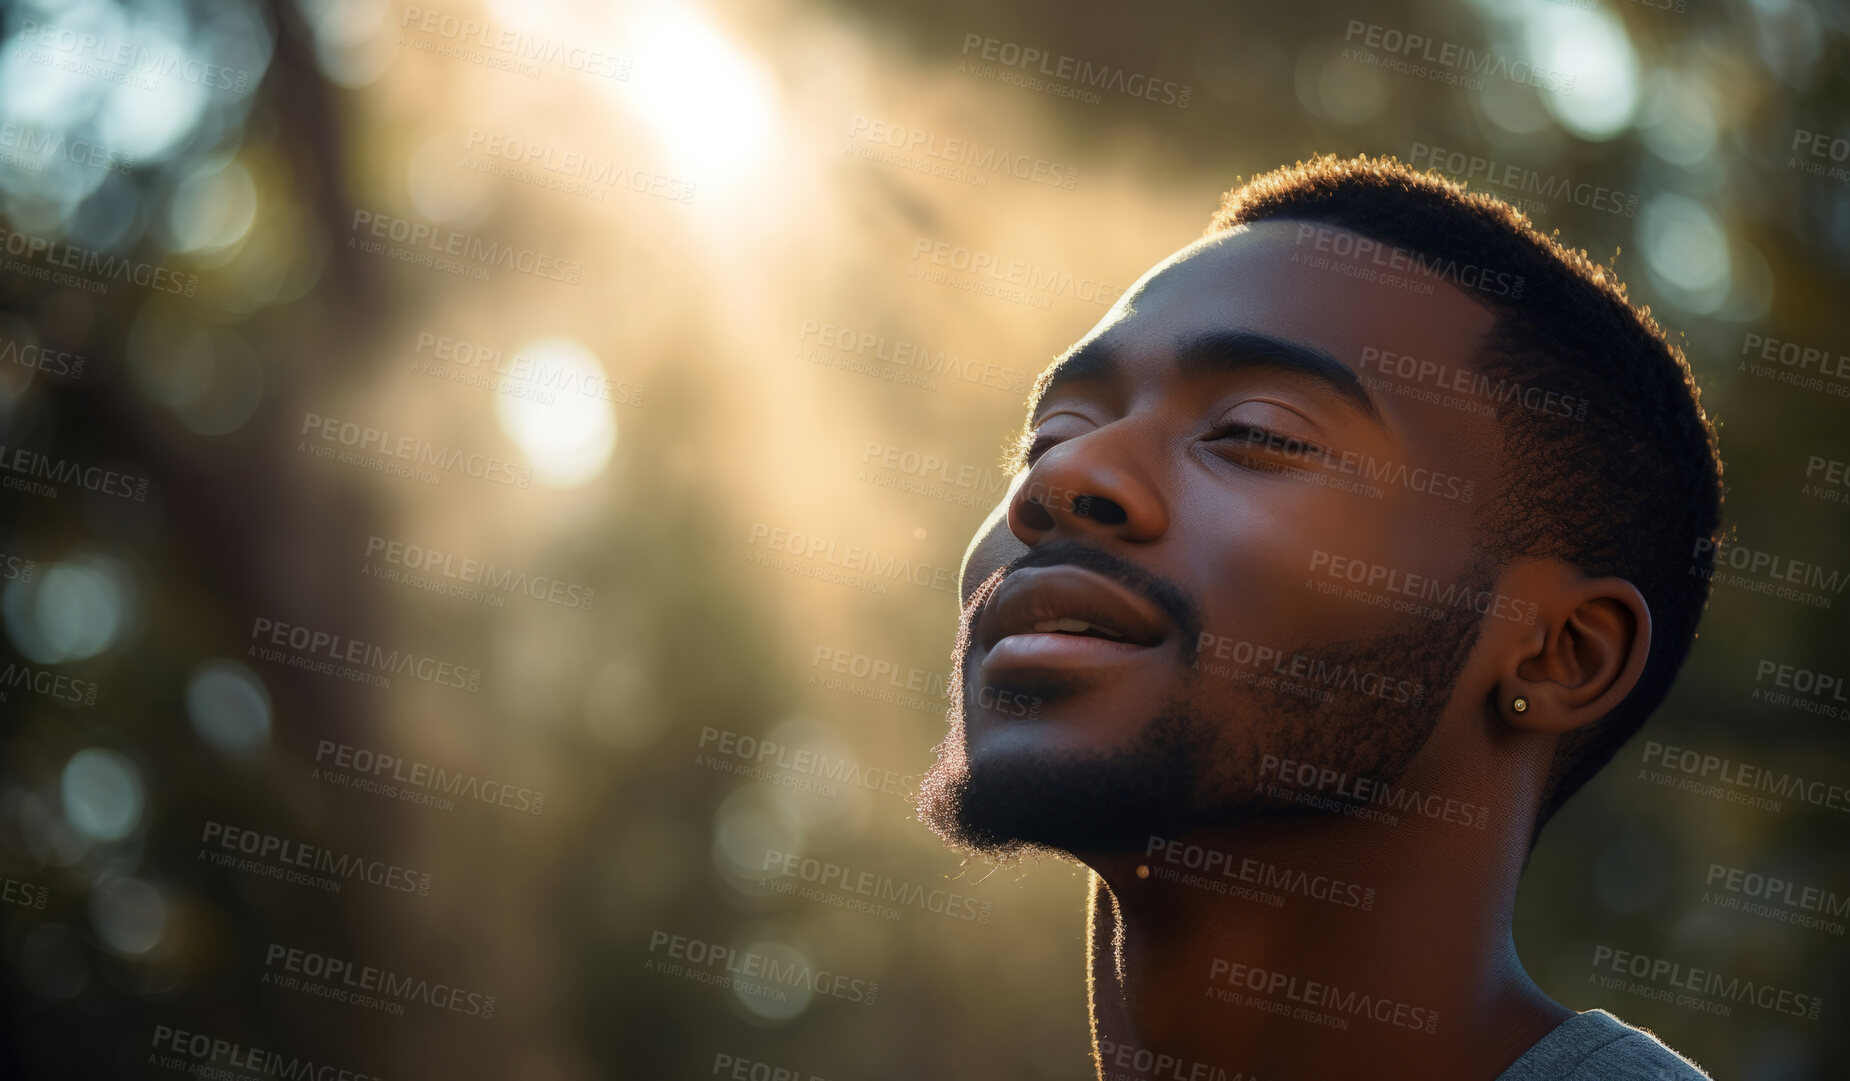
x: 1093, y: 485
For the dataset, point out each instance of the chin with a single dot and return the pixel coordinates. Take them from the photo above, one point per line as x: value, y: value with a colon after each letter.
x: 1043, y: 786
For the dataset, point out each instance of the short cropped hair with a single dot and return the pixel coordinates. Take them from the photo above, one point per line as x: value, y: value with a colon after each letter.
x: 1630, y: 487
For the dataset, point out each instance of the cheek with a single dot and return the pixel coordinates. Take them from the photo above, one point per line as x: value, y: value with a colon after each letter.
x: 992, y: 547
x: 1255, y: 557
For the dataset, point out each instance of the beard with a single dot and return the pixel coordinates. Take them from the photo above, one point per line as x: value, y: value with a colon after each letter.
x: 1193, y: 762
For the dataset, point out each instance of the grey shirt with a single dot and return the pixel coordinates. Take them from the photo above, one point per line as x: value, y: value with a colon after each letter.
x: 1596, y: 1046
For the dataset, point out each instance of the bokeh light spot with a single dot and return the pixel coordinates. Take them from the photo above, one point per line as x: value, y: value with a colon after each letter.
x: 74, y: 609
x: 102, y: 794
x: 129, y: 914
x: 1686, y: 251
x: 229, y: 707
x: 1592, y: 49
x: 567, y: 427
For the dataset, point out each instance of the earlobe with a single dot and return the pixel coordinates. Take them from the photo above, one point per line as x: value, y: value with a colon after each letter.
x: 1539, y: 713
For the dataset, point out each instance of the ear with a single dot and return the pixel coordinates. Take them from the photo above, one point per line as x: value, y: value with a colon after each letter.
x: 1584, y: 654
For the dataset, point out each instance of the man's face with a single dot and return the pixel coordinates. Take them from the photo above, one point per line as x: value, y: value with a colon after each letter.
x: 1212, y: 557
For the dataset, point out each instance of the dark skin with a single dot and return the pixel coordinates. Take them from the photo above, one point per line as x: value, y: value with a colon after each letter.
x: 1222, y: 518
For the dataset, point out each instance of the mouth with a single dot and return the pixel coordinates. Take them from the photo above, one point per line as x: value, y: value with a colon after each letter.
x: 1065, y: 614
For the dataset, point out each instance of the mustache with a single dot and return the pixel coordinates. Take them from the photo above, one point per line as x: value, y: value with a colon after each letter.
x: 1165, y: 594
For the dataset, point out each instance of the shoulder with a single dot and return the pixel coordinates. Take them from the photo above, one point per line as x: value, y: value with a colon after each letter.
x: 1596, y: 1046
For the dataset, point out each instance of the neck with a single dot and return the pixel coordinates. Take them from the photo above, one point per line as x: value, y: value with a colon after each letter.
x: 1305, y: 948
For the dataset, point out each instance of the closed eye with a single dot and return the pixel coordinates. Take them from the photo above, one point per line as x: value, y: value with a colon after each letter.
x: 1247, y: 439
x: 1041, y: 445
x: 1252, y: 439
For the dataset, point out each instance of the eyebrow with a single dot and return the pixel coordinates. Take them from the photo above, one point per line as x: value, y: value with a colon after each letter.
x: 1219, y: 352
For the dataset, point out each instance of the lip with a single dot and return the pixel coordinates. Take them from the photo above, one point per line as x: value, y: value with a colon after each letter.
x: 1036, y: 594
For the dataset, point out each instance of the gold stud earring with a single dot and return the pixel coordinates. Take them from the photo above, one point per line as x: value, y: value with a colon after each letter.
x: 1520, y: 705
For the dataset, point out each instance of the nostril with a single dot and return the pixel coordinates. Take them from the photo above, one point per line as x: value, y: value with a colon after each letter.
x: 1099, y: 509
x: 1035, y: 516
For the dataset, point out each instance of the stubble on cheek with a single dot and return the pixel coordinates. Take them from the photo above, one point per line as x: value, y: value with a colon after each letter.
x: 1329, y: 720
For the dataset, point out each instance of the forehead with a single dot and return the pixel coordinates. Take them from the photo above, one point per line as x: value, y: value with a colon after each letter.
x: 1305, y: 282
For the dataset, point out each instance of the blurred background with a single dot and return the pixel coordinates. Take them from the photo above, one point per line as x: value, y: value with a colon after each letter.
x: 483, y: 489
